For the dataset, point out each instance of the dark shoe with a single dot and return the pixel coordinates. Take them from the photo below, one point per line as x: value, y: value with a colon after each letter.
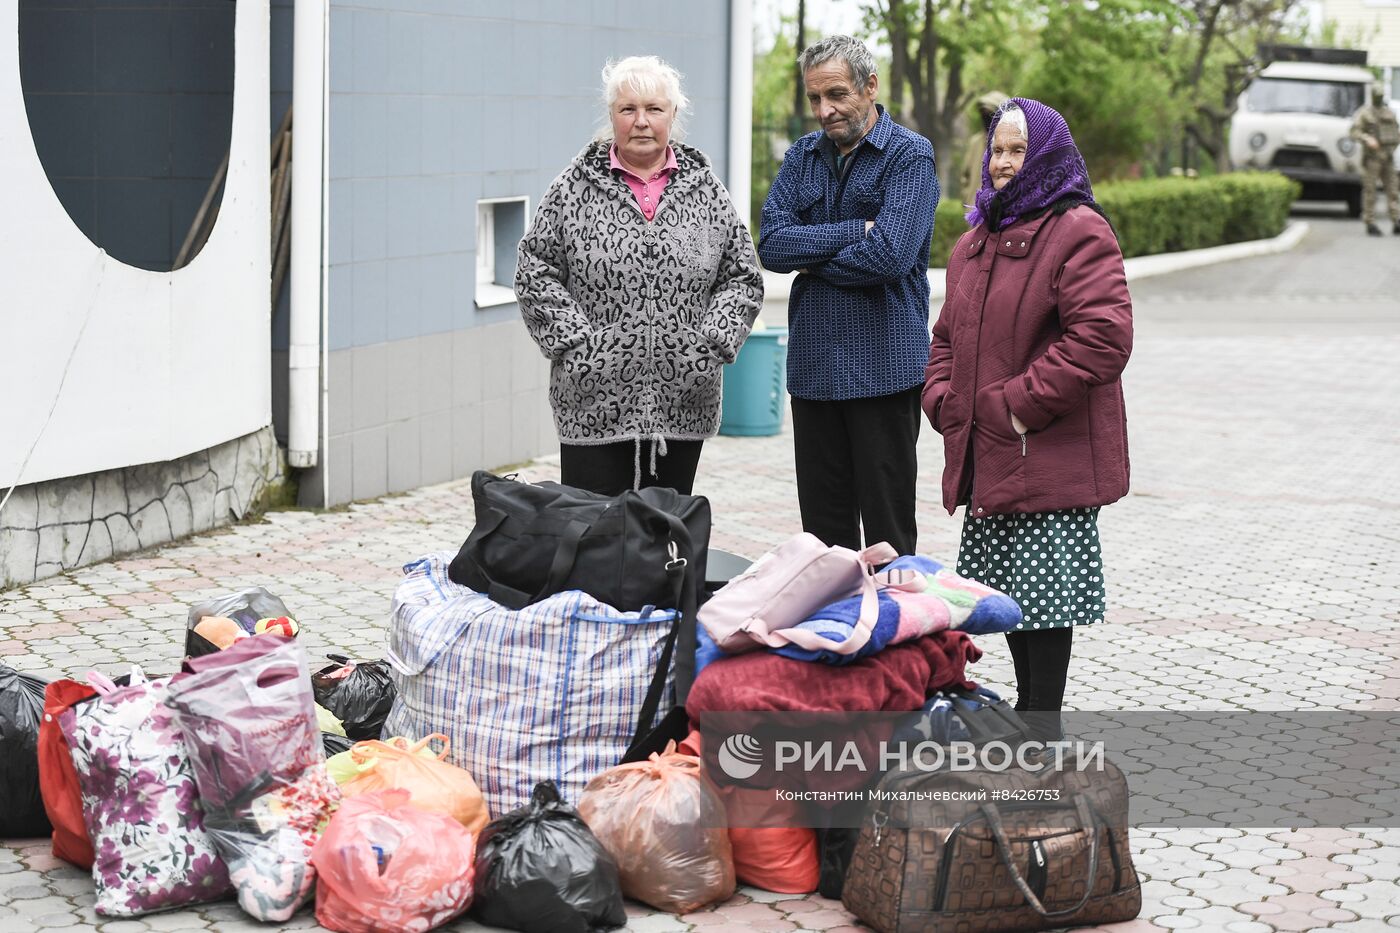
x: 1396, y: 229
x: 1373, y: 230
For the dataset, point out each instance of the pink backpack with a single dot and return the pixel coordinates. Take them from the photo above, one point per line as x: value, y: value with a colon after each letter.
x: 784, y: 588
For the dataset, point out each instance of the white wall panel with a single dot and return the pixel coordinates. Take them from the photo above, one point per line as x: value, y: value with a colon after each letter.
x: 165, y: 364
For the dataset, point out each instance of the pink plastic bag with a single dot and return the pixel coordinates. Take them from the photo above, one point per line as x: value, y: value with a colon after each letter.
x: 384, y: 864
x: 785, y: 587
x: 248, y: 717
x: 139, y: 801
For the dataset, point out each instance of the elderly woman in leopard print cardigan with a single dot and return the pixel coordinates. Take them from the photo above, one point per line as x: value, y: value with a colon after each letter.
x: 639, y: 282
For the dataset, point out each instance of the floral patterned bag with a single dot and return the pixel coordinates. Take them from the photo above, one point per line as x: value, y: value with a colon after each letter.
x: 249, y: 719
x: 140, y: 804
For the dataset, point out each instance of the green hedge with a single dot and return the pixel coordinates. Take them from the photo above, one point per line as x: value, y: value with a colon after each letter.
x: 1165, y: 215
x: 948, y: 225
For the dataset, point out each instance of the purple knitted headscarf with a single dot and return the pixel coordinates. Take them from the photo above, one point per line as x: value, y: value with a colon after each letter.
x: 1053, y: 171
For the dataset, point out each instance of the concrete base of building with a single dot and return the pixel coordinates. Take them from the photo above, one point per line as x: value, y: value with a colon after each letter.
x: 55, y: 526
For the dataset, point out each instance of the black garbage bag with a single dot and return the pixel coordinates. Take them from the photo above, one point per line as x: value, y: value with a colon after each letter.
x: 359, y: 693
x: 335, y: 744
x: 836, y: 847
x: 540, y: 869
x: 22, y: 812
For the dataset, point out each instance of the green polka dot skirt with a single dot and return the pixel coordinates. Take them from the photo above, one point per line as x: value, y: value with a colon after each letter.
x: 1049, y: 562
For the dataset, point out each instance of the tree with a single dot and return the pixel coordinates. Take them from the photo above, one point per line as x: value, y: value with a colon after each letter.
x: 773, y: 81
x: 1215, y: 56
x: 1098, y: 63
x: 1093, y: 60
x: 933, y: 44
x: 1130, y: 76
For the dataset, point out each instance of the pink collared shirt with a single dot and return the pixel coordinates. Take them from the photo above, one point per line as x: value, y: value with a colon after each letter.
x: 646, y: 190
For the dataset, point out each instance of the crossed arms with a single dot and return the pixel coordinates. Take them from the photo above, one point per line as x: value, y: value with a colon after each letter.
x: 861, y: 251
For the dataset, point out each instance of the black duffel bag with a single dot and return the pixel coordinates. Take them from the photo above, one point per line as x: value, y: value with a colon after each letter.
x: 643, y: 548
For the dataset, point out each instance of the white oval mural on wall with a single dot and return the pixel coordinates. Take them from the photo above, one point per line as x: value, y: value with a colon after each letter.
x: 108, y: 358
x: 131, y: 109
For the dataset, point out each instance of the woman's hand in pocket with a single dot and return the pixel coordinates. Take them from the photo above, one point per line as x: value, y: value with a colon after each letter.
x: 1018, y: 425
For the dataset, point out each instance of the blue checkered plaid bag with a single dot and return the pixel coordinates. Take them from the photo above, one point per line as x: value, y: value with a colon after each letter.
x: 552, y: 691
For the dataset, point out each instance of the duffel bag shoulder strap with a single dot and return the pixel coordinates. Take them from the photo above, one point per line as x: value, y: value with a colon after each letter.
x: 1088, y: 823
x: 694, y: 513
x: 685, y: 596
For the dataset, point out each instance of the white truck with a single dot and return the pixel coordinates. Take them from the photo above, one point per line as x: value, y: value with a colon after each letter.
x: 1295, y: 118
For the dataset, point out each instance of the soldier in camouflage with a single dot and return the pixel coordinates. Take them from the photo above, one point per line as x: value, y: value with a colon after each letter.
x: 1379, y: 134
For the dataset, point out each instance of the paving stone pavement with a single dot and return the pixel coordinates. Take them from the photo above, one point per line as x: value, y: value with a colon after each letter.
x: 1252, y: 567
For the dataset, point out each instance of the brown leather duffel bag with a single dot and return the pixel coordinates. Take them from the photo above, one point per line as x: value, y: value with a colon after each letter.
x: 1015, y: 850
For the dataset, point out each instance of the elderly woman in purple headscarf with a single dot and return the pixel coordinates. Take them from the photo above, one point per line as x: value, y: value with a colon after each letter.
x: 1023, y: 384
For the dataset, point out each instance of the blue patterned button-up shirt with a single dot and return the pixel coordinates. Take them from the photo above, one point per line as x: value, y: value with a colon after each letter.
x: 858, y: 316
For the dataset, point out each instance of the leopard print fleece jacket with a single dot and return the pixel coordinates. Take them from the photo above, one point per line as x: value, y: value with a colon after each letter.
x: 637, y: 318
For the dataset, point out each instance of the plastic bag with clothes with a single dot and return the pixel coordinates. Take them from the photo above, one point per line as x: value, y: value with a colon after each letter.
x: 359, y: 693
x: 541, y: 870
x: 431, y: 782
x: 245, y: 608
x: 385, y: 864
x: 665, y: 825
x: 21, y: 711
x: 247, y: 715
x: 140, y: 803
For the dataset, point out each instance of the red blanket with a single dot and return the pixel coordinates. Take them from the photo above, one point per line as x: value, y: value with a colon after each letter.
x: 899, y: 678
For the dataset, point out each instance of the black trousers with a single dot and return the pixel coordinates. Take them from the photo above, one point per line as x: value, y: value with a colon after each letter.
x: 1041, y: 659
x: 610, y: 468
x: 857, y: 468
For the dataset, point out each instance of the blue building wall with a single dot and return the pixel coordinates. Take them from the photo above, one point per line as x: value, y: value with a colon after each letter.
x: 435, y: 104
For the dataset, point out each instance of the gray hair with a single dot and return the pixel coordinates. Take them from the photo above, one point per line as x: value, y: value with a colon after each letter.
x: 859, y: 62
x: 645, y: 74
x: 1013, y: 116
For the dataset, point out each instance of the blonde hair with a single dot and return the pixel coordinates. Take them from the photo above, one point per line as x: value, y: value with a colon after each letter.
x: 645, y: 74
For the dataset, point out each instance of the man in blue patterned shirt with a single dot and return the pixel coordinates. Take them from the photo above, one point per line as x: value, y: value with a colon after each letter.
x: 852, y: 211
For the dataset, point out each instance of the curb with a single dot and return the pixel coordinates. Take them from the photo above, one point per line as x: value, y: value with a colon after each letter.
x: 777, y: 286
x: 1141, y: 267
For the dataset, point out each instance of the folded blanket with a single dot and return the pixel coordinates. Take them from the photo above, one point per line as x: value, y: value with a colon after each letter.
x: 899, y: 678
x: 947, y: 601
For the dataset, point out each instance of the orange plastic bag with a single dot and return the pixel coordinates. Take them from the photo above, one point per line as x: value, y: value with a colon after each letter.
x: 385, y: 864
x: 769, y: 852
x: 778, y: 858
x: 345, y: 767
x: 664, y: 825
x: 432, y: 783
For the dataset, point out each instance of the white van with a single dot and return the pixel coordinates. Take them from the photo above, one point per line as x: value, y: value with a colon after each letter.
x: 1295, y: 118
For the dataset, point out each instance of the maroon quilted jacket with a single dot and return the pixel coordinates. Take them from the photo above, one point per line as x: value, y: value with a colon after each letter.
x: 1037, y: 322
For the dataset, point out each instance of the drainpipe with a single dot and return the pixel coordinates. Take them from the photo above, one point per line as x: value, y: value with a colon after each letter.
x: 740, y: 105
x: 308, y: 152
